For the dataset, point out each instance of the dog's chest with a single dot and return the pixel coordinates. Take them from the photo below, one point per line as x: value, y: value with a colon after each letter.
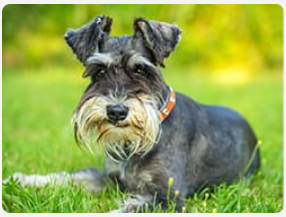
x: 131, y: 176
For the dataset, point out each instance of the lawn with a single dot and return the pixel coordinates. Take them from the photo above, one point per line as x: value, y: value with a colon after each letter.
x: 37, y: 138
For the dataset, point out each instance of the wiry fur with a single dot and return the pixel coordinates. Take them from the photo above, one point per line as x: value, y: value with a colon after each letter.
x: 135, y: 135
x: 196, y: 145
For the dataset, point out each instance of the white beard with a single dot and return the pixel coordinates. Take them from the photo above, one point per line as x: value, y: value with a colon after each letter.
x: 136, y: 135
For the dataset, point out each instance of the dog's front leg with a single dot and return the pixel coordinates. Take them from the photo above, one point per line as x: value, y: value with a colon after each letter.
x: 92, y: 179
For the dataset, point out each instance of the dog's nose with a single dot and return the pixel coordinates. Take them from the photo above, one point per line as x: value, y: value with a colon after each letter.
x: 117, y: 112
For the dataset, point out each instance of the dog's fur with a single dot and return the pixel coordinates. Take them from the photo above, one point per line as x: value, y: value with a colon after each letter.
x: 196, y: 145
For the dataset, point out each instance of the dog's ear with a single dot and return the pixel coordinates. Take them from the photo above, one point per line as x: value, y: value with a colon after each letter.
x: 159, y: 37
x: 89, y: 38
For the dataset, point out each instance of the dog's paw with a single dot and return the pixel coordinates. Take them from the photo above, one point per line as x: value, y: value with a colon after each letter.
x: 129, y: 208
x: 116, y: 211
x: 134, y: 204
x: 34, y: 180
x: 18, y: 177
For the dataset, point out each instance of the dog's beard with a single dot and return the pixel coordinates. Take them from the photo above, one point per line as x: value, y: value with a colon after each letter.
x: 136, y: 135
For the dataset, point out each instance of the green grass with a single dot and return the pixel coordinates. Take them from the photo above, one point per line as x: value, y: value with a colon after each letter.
x: 37, y: 138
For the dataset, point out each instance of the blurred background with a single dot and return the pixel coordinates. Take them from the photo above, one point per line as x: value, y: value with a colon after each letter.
x: 244, y: 38
x: 228, y: 54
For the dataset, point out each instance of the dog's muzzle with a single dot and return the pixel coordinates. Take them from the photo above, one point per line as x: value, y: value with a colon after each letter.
x: 123, y: 129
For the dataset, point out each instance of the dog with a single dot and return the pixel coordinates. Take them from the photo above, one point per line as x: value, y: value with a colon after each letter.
x: 158, y: 143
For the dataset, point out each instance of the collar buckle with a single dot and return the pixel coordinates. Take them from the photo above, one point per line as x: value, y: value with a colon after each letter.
x: 168, y: 105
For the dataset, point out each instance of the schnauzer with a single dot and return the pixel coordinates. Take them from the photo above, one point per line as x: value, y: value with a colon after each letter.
x: 151, y: 135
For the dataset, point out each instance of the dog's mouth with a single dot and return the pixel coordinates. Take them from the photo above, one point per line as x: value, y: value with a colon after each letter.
x: 120, y: 141
x: 119, y: 124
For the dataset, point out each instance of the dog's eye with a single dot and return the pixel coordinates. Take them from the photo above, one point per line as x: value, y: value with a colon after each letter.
x: 95, y: 71
x: 139, y: 70
x: 100, y: 72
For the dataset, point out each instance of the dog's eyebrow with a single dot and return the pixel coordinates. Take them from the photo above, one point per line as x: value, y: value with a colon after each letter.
x: 100, y: 58
x: 137, y: 58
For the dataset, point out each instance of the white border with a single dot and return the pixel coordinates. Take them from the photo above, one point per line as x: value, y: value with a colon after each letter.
x: 280, y: 2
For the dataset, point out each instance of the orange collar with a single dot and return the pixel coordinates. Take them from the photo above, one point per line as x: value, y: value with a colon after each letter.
x: 168, y: 105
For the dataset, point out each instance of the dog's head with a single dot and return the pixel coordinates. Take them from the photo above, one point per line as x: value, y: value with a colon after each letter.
x: 120, y: 107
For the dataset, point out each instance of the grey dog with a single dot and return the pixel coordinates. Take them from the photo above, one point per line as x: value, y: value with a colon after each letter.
x: 149, y: 133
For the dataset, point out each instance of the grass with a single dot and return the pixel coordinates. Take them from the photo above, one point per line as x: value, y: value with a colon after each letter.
x: 37, y: 138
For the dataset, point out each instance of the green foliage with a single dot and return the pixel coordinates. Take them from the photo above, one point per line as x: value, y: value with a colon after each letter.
x: 37, y: 138
x: 248, y: 37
